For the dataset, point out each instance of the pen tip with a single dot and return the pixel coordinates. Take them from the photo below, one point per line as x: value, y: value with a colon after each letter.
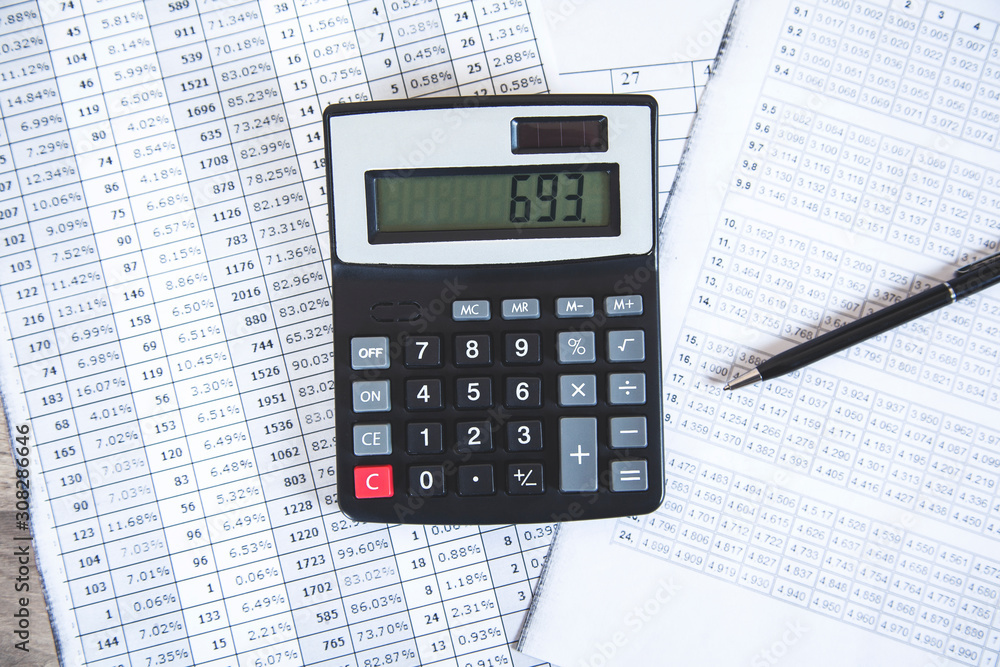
x: 750, y: 377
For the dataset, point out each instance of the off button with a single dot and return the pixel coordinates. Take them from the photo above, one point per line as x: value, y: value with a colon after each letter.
x: 369, y: 352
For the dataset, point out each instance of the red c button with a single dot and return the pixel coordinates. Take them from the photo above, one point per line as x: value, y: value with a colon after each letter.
x: 373, y: 482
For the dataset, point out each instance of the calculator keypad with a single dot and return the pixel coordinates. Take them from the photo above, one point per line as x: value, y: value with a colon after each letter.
x: 539, y: 403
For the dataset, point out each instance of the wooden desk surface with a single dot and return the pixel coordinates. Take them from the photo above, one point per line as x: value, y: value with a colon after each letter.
x: 42, y: 649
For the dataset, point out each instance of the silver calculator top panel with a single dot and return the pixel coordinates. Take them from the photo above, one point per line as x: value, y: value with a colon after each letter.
x: 368, y: 137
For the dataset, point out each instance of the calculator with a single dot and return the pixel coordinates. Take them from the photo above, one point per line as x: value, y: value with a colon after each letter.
x: 495, y: 308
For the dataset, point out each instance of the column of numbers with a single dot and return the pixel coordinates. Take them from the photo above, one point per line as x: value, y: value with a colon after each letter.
x: 792, y: 287
x: 198, y: 167
x: 119, y: 39
x: 793, y: 548
x: 45, y: 200
x: 858, y: 52
x: 847, y: 434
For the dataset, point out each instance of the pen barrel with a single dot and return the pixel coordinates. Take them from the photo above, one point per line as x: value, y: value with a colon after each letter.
x: 857, y: 331
x: 976, y: 277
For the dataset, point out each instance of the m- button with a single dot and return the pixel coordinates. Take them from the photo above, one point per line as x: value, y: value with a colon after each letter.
x: 580, y: 306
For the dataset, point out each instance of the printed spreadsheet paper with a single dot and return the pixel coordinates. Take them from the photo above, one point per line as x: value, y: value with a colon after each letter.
x: 663, y: 49
x: 845, y: 156
x: 168, y: 337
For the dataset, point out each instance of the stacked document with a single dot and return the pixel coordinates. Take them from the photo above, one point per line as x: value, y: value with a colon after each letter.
x: 845, y: 156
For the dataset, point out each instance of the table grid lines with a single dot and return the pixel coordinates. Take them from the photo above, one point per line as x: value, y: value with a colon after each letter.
x: 165, y: 281
x: 816, y: 204
x: 794, y: 548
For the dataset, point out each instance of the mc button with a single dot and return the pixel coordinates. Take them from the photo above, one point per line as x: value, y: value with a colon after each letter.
x: 469, y: 310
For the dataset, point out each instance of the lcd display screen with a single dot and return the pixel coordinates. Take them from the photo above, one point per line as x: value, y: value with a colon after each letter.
x: 495, y: 202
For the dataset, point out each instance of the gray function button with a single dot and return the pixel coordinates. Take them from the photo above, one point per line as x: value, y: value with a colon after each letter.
x: 578, y: 454
x: 623, y: 306
x: 624, y: 346
x: 576, y: 347
x: 520, y: 309
x: 369, y: 352
x: 626, y: 388
x: 372, y: 439
x: 465, y: 311
x: 577, y: 306
x: 575, y: 390
x: 628, y: 432
x: 371, y: 396
x: 629, y: 476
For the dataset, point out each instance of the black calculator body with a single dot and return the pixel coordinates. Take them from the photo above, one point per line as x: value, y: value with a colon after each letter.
x: 495, y: 308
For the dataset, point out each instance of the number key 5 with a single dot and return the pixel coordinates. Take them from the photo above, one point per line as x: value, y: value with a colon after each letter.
x: 474, y: 393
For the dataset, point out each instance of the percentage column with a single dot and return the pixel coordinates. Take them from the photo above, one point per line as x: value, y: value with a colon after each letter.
x: 52, y: 213
x: 468, y: 591
x: 301, y: 38
x: 421, y: 49
x: 199, y: 451
x: 257, y: 485
x: 333, y: 53
x: 509, y: 41
x: 127, y: 110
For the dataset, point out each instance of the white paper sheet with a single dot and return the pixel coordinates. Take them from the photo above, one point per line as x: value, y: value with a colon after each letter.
x: 663, y: 49
x: 167, y: 333
x: 845, y: 156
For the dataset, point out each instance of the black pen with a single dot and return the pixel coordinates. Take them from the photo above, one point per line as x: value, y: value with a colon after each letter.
x: 968, y: 280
